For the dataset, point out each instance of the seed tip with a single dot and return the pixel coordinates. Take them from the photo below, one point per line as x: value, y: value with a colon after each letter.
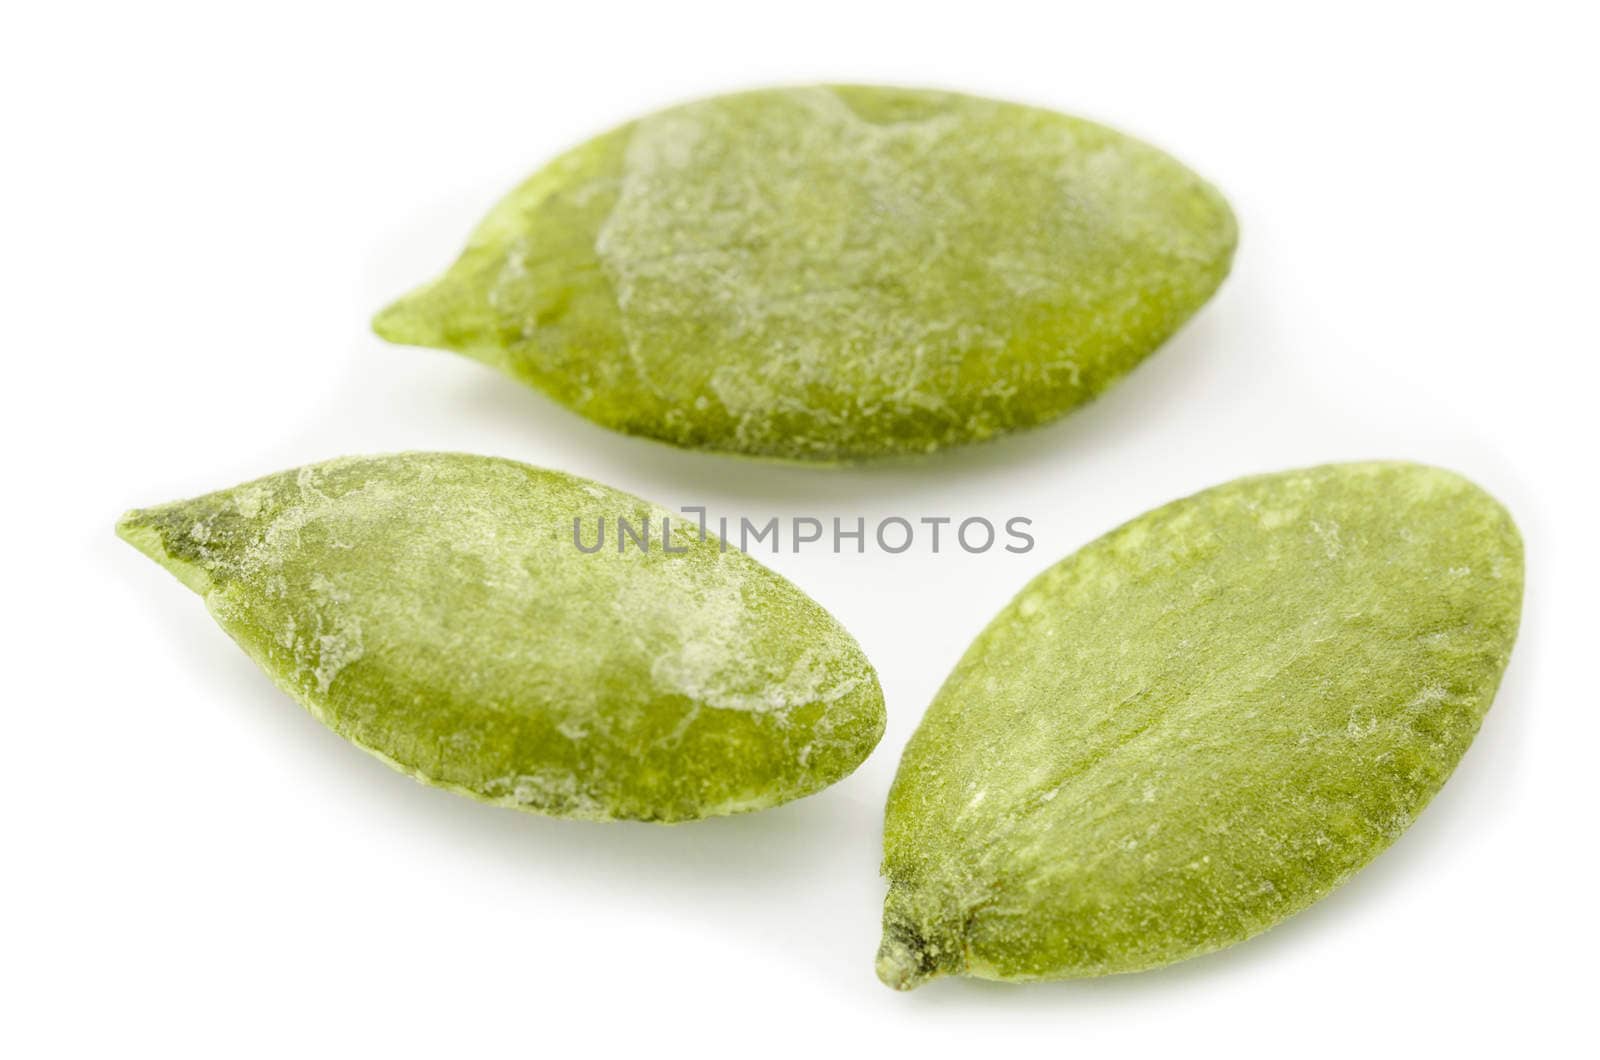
x: 134, y: 528
x: 139, y: 528
x: 913, y: 951
x: 396, y: 323
x: 900, y: 967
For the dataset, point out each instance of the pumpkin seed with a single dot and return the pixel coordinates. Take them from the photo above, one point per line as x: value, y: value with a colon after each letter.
x: 1199, y: 724
x: 433, y: 609
x: 832, y: 273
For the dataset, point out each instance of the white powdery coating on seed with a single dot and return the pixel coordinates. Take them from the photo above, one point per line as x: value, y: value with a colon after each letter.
x: 711, y: 656
x: 1203, y: 721
x: 498, y: 659
x: 815, y: 249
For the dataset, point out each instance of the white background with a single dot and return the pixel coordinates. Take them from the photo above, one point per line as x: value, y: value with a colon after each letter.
x: 202, y: 205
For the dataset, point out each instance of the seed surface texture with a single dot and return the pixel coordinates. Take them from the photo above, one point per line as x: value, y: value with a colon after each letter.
x: 832, y: 273
x: 1198, y: 724
x: 434, y: 609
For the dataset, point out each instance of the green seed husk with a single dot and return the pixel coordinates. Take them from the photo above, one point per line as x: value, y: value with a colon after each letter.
x: 434, y: 609
x: 832, y: 273
x: 1199, y: 724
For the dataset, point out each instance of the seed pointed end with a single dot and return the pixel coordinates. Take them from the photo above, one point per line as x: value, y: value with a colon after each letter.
x: 901, y: 967
x: 912, y: 951
x: 142, y: 528
x: 407, y: 322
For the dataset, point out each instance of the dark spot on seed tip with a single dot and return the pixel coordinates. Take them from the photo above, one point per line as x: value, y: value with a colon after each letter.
x: 904, y: 960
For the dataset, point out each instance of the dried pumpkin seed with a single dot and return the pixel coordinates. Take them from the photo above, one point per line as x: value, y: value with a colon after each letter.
x: 832, y: 273
x: 434, y: 609
x: 1199, y: 724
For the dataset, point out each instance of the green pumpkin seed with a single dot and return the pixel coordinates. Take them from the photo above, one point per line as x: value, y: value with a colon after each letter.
x: 1199, y: 724
x: 435, y: 610
x: 832, y: 273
